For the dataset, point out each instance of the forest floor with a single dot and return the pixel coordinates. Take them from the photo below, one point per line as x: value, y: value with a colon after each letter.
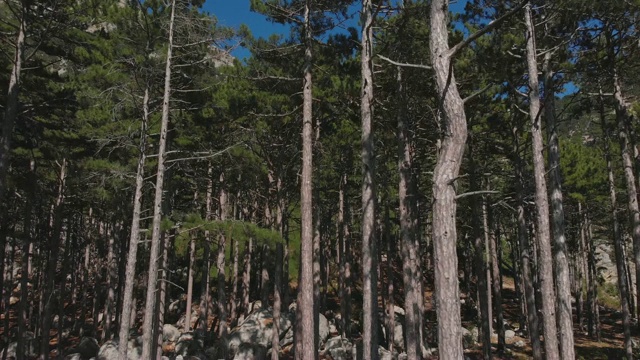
x: 610, y: 346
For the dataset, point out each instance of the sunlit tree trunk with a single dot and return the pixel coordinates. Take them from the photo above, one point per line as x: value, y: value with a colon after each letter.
x: 305, y: 344
x: 545, y: 263
x: 526, y: 250
x: 369, y: 248
x: 150, y: 304
x: 449, y: 159
x: 561, y: 261
x: 134, y: 236
x: 617, y: 242
x: 221, y: 262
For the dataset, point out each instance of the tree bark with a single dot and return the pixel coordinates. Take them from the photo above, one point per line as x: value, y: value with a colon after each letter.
x: 134, y: 236
x: 541, y: 200
x: 192, y: 264
x: 490, y: 224
x: 369, y: 246
x: 150, y: 304
x: 24, y: 279
x: 52, y: 262
x: 482, y: 270
x: 221, y: 262
x: 205, y: 297
x: 305, y: 344
x: 345, y: 268
x: 11, y: 109
x: 410, y: 246
x: 561, y: 262
x: 617, y: 242
x: 277, y: 304
x: 525, y: 255
x: 623, y: 117
x: 449, y: 159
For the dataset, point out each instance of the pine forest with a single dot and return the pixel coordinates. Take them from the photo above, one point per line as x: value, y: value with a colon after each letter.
x: 383, y: 179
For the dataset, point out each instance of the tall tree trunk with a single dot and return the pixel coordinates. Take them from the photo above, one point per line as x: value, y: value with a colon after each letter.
x: 24, y: 279
x: 617, y: 241
x: 150, y: 304
x: 206, y: 257
x: 162, y: 293
x: 492, y: 234
x: 561, y: 262
x: 305, y: 344
x: 52, y: 262
x: 221, y: 262
x: 545, y: 262
x: 11, y: 109
x: 134, y: 236
x: 449, y: 159
x: 623, y: 116
x: 246, y: 278
x: 192, y: 264
x: 482, y: 270
x: 525, y: 256
x: 111, y: 274
x: 277, y: 304
x: 345, y: 268
x: 369, y: 243
x: 410, y: 246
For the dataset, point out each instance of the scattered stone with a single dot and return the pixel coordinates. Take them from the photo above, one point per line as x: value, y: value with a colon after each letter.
x: 248, y: 351
x: 509, y: 334
x: 170, y: 333
x: 257, y: 328
x: 337, y: 348
x: 75, y: 356
x: 519, y: 344
x: 109, y: 351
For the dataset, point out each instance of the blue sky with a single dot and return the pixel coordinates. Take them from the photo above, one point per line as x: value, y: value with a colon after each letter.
x: 233, y: 13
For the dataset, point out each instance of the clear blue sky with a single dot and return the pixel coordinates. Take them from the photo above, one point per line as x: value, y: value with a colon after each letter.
x: 233, y: 13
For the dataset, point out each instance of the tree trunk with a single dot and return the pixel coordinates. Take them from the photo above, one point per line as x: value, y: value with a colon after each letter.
x: 525, y: 256
x: 24, y: 280
x: 305, y: 344
x: 108, y: 304
x: 162, y: 293
x: 277, y: 304
x: 150, y: 304
x: 482, y: 270
x: 345, y: 266
x: 617, y: 241
x: 246, y: 278
x: 192, y: 264
x: 52, y: 262
x: 369, y: 246
x: 206, y: 256
x: 561, y: 262
x: 134, y: 236
x: 622, y: 116
x: 496, y: 278
x: 449, y: 159
x: 410, y: 246
x: 221, y: 262
x: 541, y: 200
x: 11, y: 109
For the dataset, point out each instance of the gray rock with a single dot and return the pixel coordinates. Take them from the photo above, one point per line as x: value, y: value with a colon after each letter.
x: 170, y: 333
x: 257, y: 328
x: 75, y: 356
x: 88, y: 348
x: 29, y: 346
x: 187, y: 345
x: 519, y: 344
x: 109, y: 351
x: 338, y: 348
x: 469, y: 337
x: 509, y: 334
x: 323, y: 328
x: 249, y: 351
